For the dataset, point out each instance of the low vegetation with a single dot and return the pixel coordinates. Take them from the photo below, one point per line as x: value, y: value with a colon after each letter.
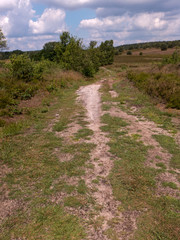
x: 165, y: 86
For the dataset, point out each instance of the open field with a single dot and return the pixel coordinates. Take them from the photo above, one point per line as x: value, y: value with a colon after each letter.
x: 96, y: 159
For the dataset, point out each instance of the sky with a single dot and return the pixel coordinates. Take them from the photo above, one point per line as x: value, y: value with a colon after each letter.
x: 29, y: 24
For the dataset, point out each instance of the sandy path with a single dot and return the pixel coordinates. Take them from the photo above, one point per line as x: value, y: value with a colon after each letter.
x: 100, y: 158
x: 102, y: 162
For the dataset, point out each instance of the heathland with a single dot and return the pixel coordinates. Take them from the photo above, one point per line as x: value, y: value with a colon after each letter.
x: 89, y: 143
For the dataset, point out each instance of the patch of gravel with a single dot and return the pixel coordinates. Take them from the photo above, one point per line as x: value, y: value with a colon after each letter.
x: 8, y: 207
x: 114, y: 94
x: 63, y: 157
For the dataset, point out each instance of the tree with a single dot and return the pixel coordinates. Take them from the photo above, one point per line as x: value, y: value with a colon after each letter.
x: 107, y: 52
x: 49, y: 50
x: 92, y: 44
x: 164, y: 47
x: 3, y: 42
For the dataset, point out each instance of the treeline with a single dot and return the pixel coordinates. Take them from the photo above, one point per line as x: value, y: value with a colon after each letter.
x: 71, y: 54
x: 163, y: 45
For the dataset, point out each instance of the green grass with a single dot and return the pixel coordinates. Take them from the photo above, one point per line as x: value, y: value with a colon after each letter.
x: 13, y: 128
x: 106, y: 107
x: 37, y: 174
x: 82, y: 188
x: 170, y: 184
x: 129, y: 178
x: 170, y: 145
x: 83, y: 133
x: 49, y: 222
x: 74, y: 202
x: 161, y: 165
x: 162, y: 222
x: 116, y: 124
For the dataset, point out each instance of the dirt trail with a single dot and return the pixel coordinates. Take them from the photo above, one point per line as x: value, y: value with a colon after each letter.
x: 100, y: 158
x: 102, y: 161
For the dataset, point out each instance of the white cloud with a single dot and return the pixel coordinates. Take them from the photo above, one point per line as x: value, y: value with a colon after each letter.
x: 15, y: 22
x: 150, y: 21
x: 133, y: 5
x: 7, y: 4
x: 51, y: 21
x: 31, y: 42
x: 24, y: 30
x: 126, y: 28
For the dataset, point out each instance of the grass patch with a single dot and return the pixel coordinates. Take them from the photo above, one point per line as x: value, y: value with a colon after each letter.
x: 170, y: 145
x: 74, y: 202
x: 45, y: 223
x: 62, y: 124
x: 75, y: 167
x: 83, y: 133
x: 161, y: 165
x: 106, y: 107
x: 13, y: 128
x: 115, y: 124
x: 162, y: 222
x: 82, y: 188
x: 129, y: 178
x: 170, y: 185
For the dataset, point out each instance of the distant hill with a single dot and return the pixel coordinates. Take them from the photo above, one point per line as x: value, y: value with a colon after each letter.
x: 163, y: 45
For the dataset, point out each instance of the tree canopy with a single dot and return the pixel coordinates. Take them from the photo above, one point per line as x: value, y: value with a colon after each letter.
x: 3, y: 42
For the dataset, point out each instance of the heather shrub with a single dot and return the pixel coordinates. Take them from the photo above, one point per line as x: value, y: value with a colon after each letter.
x: 159, y: 85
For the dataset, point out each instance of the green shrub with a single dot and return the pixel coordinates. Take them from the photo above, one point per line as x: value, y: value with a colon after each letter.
x: 129, y: 53
x: 164, y: 47
x: 22, y: 67
x: 174, y: 59
x: 5, y: 99
x: 164, y: 86
x: 88, y: 68
x: 2, y: 123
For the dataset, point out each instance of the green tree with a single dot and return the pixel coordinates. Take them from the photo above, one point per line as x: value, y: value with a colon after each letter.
x: 106, y: 52
x: 49, y: 51
x: 69, y: 52
x: 92, y: 44
x: 164, y: 47
x: 3, y: 42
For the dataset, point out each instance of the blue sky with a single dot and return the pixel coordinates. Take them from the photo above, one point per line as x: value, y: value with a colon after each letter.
x: 29, y: 24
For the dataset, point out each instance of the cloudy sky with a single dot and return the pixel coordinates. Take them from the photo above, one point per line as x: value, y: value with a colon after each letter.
x: 28, y: 24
